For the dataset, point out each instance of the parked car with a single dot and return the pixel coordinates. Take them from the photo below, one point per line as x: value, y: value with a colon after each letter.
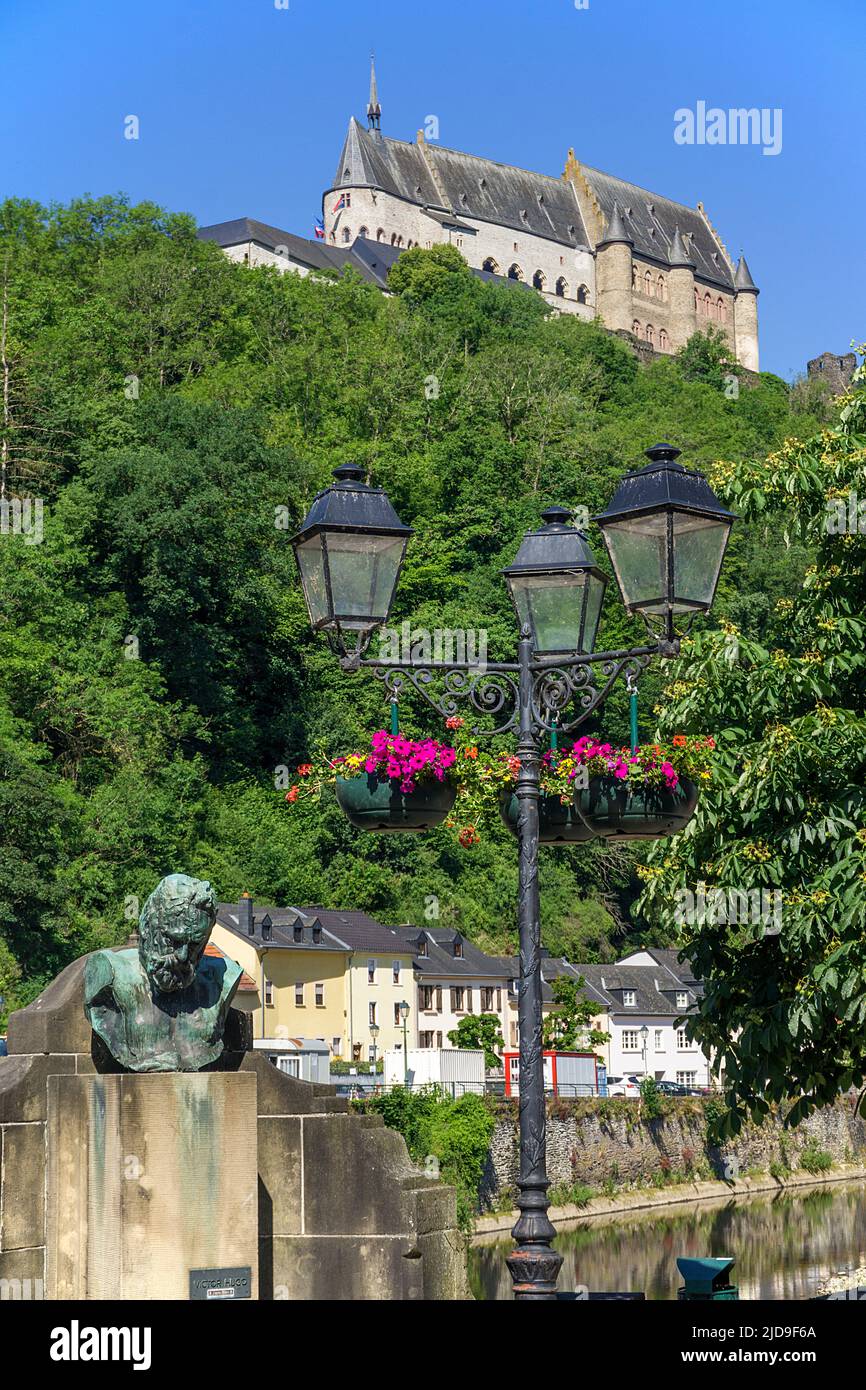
x: 624, y: 1086
x: 4, y: 1051
x: 672, y: 1088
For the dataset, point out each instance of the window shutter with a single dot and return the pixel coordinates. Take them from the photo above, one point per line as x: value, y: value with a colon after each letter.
x: 438, y: 999
x: 498, y: 1000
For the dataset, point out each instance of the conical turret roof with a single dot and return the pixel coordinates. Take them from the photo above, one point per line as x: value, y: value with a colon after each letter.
x: 743, y: 278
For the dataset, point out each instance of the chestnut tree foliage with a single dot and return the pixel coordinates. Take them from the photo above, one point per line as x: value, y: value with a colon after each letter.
x: 784, y: 1006
x: 176, y: 413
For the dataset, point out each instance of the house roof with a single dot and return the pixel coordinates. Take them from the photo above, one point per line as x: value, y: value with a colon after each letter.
x: 360, y: 931
x: 246, y: 984
x: 655, y: 988
x: 441, y: 961
x: 284, y: 921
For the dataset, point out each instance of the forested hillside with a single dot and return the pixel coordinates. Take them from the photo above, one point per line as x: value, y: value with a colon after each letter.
x: 156, y: 666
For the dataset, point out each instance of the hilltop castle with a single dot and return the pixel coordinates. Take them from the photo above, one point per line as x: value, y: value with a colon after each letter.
x: 591, y: 244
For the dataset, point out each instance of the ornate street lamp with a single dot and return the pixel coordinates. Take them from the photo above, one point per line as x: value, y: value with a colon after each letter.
x: 374, y: 1034
x: 556, y: 586
x: 404, y: 1014
x: 349, y: 551
x: 666, y: 533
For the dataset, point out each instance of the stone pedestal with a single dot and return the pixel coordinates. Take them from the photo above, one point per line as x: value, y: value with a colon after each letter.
x: 149, y: 1177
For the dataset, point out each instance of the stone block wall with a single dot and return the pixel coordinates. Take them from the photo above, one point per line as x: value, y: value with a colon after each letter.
x: 600, y: 1141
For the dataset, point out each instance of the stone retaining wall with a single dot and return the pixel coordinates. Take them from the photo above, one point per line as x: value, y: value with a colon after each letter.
x: 595, y: 1142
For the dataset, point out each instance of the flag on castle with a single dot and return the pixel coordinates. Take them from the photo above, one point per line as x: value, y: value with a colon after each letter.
x: 340, y: 203
x: 320, y: 229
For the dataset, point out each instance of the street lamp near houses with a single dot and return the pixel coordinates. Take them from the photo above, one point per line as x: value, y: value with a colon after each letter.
x: 404, y: 1014
x: 374, y: 1034
x: 666, y: 535
x: 644, y: 1034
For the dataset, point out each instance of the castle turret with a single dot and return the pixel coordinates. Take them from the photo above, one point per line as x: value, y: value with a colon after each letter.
x: 613, y: 274
x: 681, y: 291
x: 746, y: 317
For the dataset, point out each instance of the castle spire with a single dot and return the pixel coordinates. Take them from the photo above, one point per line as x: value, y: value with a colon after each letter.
x: 616, y: 229
x: 743, y: 278
x: 679, y: 256
x: 374, y: 110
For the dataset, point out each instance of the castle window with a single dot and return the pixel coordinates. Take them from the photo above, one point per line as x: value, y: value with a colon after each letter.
x: 648, y: 285
x: 393, y: 238
x: 562, y: 287
x: 491, y: 266
x: 650, y: 333
x: 347, y: 174
x: 524, y: 216
x: 633, y: 276
x: 663, y: 340
x: 464, y: 200
x: 661, y: 288
x: 583, y: 295
x: 347, y: 234
x: 635, y: 328
x: 364, y: 232
x: 538, y: 279
x: 515, y: 273
x: 721, y: 311
x: 708, y: 306
x: 698, y: 304
x: 380, y: 234
x: 483, y: 184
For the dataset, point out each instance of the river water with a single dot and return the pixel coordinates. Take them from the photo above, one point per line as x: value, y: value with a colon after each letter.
x: 784, y: 1244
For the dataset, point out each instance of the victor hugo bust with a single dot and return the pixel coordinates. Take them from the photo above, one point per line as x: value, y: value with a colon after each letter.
x: 164, y: 1006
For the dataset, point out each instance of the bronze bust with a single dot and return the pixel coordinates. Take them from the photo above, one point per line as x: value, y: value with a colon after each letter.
x: 164, y: 1006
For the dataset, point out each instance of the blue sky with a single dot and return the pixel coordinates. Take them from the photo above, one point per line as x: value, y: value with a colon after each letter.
x: 243, y: 107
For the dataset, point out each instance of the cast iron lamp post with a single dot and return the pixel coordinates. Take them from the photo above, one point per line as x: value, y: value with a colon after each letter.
x: 666, y: 535
x: 404, y: 1014
x: 374, y: 1034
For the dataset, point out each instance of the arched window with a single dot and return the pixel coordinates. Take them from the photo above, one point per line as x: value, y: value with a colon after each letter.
x: 721, y: 311
x: 635, y: 328
x: 661, y: 288
x: 515, y: 273
x: 538, y: 280
x: 393, y: 238
x: 347, y: 235
x: 648, y: 285
x: 699, y: 304
x: 650, y: 333
x: 583, y: 295
x: 708, y: 306
x: 633, y: 276
x: 491, y: 266
x: 562, y: 287
x: 363, y: 231
x: 663, y: 340
x: 399, y: 241
x: 380, y: 234
x: 334, y: 237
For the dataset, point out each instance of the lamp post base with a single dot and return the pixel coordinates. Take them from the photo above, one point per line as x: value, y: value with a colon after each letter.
x: 534, y: 1267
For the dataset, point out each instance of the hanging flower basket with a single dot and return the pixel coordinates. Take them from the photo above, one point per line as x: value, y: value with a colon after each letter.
x: 558, y: 823
x: 619, y: 810
x: 372, y: 802
x: 400, y: 784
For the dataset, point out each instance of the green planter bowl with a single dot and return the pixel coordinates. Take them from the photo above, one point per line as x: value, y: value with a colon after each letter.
x: 647, y: 813
x: 557, y: 824
x: 376, y: 803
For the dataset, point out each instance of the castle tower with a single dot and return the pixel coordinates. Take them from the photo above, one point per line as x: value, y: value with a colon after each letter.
x: 374, y: 110
x: 746, y: 317
x: 681, y: 291
x: 613, y: 274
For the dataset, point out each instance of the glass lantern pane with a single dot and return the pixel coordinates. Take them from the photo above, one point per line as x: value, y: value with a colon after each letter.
x: 638, y: 552
x: 363, y: 570
x: 593, y: 612
x: 699, y: 547
x: 311, y: 563
x: 552, y: 604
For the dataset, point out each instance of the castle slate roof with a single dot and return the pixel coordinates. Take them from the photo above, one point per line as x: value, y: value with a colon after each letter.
x: 466, y: 185
x: 651, y: 222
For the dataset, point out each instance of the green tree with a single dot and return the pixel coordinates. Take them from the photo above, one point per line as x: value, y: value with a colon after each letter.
x: 481, y: 1031
x: 568, y: 1026
x: 784, y: 1004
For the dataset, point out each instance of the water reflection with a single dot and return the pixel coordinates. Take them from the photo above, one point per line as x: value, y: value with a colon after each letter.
x: 784, y: 1244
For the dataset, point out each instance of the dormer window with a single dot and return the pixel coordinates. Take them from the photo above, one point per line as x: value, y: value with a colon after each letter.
x: 482, y: 185
x: 347, y: 175
x: 422, y: 945
x: 464, y: 200
x: 317, y: 935
x: 458, y: 949
x: 266, y: 928
x: 682, y: 1000
x: 297, y: 932
x: 629, y: 998
x: 541, y: 200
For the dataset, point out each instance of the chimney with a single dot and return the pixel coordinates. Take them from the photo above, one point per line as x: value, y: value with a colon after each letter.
x: 246, y: 921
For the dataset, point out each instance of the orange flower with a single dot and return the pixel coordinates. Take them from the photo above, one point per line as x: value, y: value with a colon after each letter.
x: 292, y: 795
x: 679, y: 740
x: 468, y: 836
x: 305, y: 769
x: 470, y: 752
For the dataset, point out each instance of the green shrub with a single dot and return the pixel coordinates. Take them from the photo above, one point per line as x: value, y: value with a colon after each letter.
x: 651, y: 1099
x: 575, y: 1194
x: 815, y: 1160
